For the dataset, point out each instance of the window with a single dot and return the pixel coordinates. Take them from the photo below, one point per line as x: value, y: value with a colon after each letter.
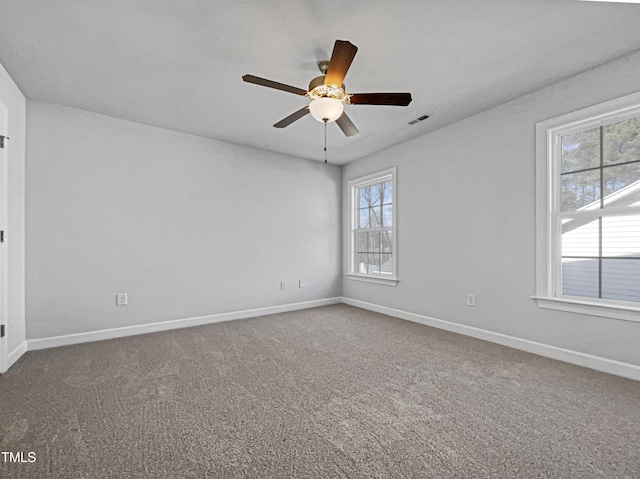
x: 589, y: 210
x: 372, y: 252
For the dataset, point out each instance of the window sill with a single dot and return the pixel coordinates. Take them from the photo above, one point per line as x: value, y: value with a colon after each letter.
x: 591, y: 308
x: 373, y: 279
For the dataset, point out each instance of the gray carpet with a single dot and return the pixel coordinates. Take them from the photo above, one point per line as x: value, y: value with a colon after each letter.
x: 321, y: 393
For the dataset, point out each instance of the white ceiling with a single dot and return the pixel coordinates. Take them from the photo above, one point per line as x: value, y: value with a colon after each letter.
x: 178, y: 64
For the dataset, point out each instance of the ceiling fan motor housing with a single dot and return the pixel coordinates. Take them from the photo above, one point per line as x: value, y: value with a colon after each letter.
x: 324, y: 66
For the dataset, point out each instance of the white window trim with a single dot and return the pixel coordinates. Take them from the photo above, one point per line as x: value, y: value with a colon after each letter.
x: 352, y: 185
x: 4, y: 254
x: 547, y: 251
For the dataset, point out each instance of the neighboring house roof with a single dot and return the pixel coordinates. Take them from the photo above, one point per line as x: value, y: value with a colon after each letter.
x: 616, y: 197
x: 628, y: 193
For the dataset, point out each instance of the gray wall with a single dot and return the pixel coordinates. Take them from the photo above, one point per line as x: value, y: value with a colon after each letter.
x: 13, y: 102
x: 186, y: 226
x: 466, y: 220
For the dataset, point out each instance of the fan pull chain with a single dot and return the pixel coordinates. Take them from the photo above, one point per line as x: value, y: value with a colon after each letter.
x: 325, y: 139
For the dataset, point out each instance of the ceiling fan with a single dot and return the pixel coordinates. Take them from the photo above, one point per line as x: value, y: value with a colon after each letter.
x: 327, y: 92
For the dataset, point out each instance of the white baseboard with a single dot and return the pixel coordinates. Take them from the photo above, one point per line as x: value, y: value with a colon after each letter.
x: 610, y: 366
x: 68, y: 339
x: 16, y: 354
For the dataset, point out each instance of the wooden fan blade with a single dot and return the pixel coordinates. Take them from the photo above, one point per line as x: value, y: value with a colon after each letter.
x: 273, y: 84
x: 395, y: 99
x: 293, y: 117
x: 341, y: 58
x: 346, y: 125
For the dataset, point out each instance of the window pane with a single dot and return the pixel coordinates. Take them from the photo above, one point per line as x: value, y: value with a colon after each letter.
x: 373, y: 262
x: 386, y: 241
x: 581, y: 237
x: 374, y: 242
x: 362, y: 241
x: 387, y: 215
x: 364, y: 196
x: 616, y: 179
x: 376, y: 195
x: 375, y: 217
x: 361, y: 267
x: 622, y: 141
x: 621, y: 236
x: 580, y: 189
x: 387, y: 197
x: 386, y: 264
x: 621, y: 279
x: 580, y: 277
x: 581, y: 150
x: 363, y: 218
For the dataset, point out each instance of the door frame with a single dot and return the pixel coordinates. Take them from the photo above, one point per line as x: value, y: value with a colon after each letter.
x: 4, y: 184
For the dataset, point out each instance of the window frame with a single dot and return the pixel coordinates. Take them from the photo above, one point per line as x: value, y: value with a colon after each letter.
x: 548, y: 214
x: 352, y: 273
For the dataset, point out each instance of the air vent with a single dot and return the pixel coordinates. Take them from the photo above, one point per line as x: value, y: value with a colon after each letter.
x: 419, y: 119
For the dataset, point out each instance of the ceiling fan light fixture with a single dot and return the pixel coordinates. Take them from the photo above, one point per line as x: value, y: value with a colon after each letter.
x: 326, y: 109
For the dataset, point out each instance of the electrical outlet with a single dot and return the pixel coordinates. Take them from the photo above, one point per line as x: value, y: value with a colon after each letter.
x: 471, y: 299
x: 301, y: 283
x: 283, y: 285
x: 121, y: 299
